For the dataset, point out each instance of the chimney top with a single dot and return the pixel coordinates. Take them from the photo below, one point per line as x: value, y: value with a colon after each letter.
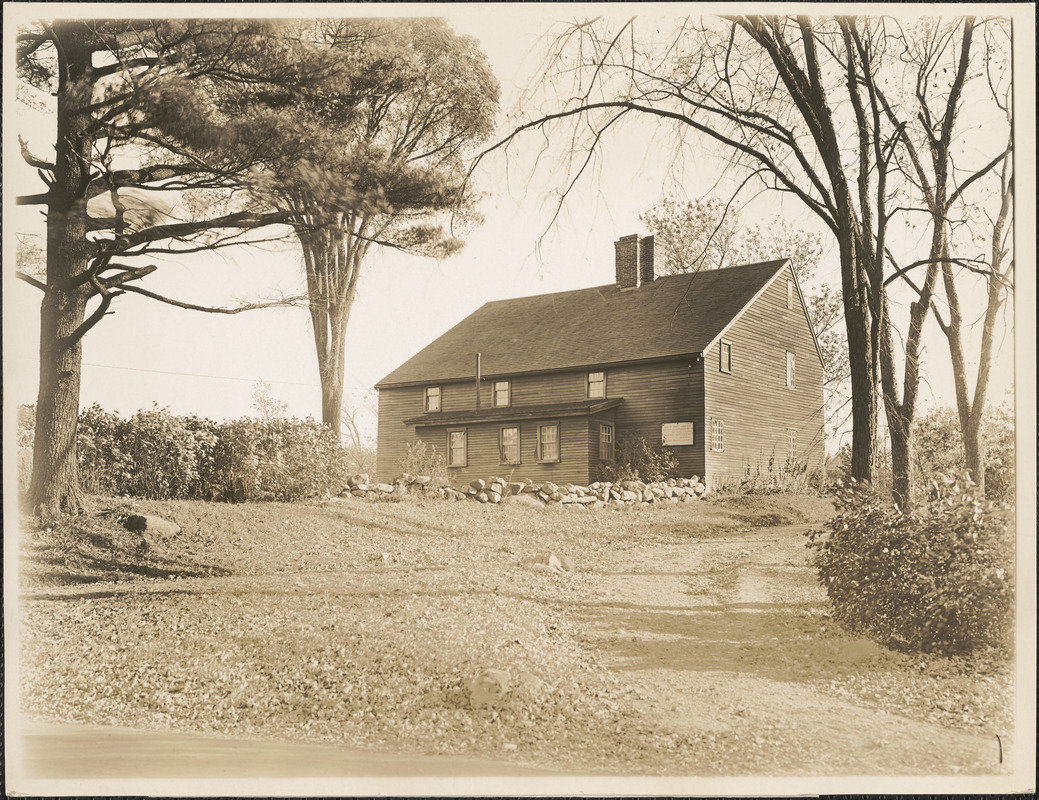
x: 634, y: 261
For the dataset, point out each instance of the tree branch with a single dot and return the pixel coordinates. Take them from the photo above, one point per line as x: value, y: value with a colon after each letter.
x: 288, y: 302
x: 29, y: 279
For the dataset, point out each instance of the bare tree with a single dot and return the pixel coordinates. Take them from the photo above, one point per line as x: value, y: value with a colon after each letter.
x: 774, y: 93
x: 952, y: 194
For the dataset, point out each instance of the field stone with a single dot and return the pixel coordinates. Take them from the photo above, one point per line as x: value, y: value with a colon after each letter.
x: 488, y: 688
x: 530, y: 500
x: 385, y: 488
x: 151, y: 526
x: 479, y: 485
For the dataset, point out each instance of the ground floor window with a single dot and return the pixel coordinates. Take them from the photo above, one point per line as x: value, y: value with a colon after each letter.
x: 717, y: 435
x: 792, y: 439
x: 548, y: 442
x: 456, y: 448
x: 606, y: 439
x: 509, y: 445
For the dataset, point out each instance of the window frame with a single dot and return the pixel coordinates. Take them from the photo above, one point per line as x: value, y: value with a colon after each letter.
x: 717, y: 435
x: 611, y: 440
x: 440, y: 399
x: 540, y: 443
x: 508, y: 393
x: 465, y: 448
x: 791, y: 369
x: 502, y: 460
x: 725, y: 364
x: 588, y: 385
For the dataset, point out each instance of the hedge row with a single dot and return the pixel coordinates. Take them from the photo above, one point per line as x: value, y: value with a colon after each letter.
x: 158, y: 455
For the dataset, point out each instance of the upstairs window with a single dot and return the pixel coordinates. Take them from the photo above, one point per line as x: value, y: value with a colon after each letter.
x: 456, y: 448
x: 432, y: 398
x: 502, y: 394
x: 790, y: 369
x: 717, y: 435
x: 725, y: 356
x: 789, y: 294
x: 596, y: 384
x: 606, y: 438
x: 548, y: 443
x: 509, y: 445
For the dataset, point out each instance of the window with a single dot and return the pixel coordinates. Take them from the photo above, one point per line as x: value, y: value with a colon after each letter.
x: 509, y: 445
x: 725, y: 357
x: 548, y: 442
x: 596, y: 384
x: 789, y: 369
x: 792, y: 439
x: 456, y: 448
x: 502, y: 393
x: 789, y: 293
x: 432, y: 398
x: 717, y: 435
x: 605, y: 442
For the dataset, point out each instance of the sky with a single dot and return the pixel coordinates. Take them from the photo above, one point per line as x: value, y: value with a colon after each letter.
x: 210, y: 365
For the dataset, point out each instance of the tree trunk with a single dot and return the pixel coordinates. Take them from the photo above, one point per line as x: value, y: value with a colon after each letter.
x: 54, y: 488
x: 862, y: 365
x: 332, y: 255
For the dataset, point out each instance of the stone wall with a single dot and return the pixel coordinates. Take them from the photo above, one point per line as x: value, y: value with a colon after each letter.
x: 496, y: 490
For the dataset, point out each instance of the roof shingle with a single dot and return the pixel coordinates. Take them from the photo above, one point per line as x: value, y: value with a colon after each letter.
x: 674, y: 315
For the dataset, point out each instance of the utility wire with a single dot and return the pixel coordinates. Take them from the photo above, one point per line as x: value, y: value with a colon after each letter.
x: 196, y: 375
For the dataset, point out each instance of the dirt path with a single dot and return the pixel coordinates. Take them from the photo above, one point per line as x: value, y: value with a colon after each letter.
x: 728, y: 638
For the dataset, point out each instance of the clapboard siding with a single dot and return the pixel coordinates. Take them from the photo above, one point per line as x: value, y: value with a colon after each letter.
x: 755, y: 405
x: 656, y: 394
x: 483, y: 456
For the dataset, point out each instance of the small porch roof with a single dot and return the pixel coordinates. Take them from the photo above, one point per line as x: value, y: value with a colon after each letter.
x: 581, y: 408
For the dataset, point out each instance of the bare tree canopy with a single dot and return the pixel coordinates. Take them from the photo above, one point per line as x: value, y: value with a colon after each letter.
x: 821, y: 109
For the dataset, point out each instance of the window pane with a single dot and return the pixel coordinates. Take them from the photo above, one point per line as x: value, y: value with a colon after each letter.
x: 606, y: 443
x: 717, y: 435
x: 548, y: 440
x: 597, y: 384
x: 725, y: 357
x: 510, y: 445
x: 456, y: 449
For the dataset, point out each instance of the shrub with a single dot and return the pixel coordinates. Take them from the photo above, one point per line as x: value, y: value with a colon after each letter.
x: 636, y: 459
x: 159, y: 455
x: 278, y: 459
x: 774, y: 476
x: 423, y: 459
x: 938, y: 580
x: 104, y: 466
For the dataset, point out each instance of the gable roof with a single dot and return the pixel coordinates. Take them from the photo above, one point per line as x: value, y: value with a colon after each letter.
x: 674, y: 315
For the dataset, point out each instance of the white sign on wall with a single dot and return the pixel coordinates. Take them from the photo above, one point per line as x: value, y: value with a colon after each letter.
x: 676, y: 433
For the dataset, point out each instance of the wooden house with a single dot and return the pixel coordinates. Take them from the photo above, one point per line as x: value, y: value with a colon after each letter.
x: 722, y: 366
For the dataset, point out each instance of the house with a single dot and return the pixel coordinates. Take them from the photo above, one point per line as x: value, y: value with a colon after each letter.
x: 721, y: 365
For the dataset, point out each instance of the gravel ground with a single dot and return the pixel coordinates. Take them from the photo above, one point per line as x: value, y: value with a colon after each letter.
x: 688, y: 640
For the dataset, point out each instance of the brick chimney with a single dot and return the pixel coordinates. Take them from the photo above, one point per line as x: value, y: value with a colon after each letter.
x: 634, y: 261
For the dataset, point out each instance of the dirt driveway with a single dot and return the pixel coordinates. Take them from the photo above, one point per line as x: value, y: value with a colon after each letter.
x: 712, y: 633
x: 730, y: 636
